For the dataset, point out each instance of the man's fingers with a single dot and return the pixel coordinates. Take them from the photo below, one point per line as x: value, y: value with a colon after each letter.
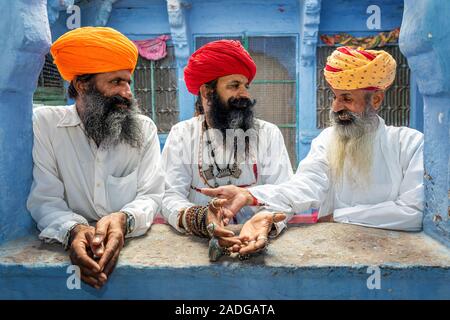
x: 111, y: 247
x: 222, y: 232
x: 216, y: 205
x: 278, y: 217
x: 100, y: 231
x: 93, y: 282
x: 111, y: 264
x: 253, y: 246
x: 80, y: 257
x: 96, y: 249
x: 211, y: 192
x: 229, y: 241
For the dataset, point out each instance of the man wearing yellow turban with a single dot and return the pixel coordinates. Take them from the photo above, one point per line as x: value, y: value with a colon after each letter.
x: 359, y: 170
x: 97, y: 174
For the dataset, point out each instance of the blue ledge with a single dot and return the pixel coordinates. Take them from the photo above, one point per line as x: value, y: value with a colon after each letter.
x: 321, y: 261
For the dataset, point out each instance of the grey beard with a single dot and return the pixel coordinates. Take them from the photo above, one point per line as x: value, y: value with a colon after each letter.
x: 351, y: 147
x: 107, y: 124
x: 361, y: 123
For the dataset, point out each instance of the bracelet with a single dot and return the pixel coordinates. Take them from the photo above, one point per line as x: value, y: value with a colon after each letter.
x: 195, y: 218
x: 255, y: 201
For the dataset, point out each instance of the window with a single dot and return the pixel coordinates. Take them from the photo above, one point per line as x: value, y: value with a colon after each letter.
x: 395, y: 109
x: 275, y: 84
x: 50, y: 89
x: 155, y: 88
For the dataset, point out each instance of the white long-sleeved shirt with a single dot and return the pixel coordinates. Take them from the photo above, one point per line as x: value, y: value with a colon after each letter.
x: 393, y: 199
x: 182, y: 154
x: 74, y: 181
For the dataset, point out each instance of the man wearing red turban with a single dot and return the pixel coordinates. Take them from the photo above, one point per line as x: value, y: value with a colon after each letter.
x: 97, y: 174
x: 223, y: 144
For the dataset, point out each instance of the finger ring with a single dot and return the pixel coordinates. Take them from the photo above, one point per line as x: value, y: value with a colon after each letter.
x: 215, y: 251
x: 215, y: 203
x: 210, y: 227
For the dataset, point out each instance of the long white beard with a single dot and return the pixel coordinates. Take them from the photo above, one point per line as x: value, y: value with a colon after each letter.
x: 350, y: 152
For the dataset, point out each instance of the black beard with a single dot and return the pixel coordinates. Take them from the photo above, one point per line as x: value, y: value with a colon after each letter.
x: 107, y: 123
x: 237, y: 113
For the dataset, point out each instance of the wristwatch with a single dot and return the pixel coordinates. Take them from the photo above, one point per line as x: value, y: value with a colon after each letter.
x: 130, y: 223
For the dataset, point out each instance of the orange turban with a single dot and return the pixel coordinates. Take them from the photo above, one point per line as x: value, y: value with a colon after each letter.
x: 217, y: 59
x: 93, y: 50
x: 349, y: 69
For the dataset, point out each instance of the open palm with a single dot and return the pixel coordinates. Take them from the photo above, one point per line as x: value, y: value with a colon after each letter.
x: 256, y: 230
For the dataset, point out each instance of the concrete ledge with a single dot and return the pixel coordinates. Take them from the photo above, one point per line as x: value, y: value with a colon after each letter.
x: 320, y: 261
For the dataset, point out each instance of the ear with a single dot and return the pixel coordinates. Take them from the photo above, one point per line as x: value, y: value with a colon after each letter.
x: 80, y: 86
x: 377, y: 99
x: 204, y: 91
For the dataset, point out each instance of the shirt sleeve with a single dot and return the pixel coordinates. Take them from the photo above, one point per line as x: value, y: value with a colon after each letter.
x: 46, y: 201
x: 150, y: 189
x: 276, y: 169
x: 176, y: 163
x: 306, y: 189
x: 405, y: 213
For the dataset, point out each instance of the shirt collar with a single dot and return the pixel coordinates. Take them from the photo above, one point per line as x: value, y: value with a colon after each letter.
x: 71, y: 118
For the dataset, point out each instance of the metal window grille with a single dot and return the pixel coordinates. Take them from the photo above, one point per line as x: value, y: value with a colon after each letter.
x: 155, y: 88
x: 275, y: 84
x: 50, y: 88
x: 395, y: 109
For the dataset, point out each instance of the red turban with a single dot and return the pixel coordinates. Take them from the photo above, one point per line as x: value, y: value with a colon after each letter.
x: 93, y: 50
x: 217, y: 59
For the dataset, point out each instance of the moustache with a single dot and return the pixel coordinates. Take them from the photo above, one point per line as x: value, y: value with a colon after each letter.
x: 344, y: 117
x: 241, y: 103
x: 114, y: 101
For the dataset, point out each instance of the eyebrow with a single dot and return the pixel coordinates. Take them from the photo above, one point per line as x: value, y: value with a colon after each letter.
x: 121, y: 79
x: 237, y: 82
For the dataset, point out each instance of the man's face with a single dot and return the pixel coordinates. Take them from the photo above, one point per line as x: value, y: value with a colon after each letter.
x: 229, y: 105
x: 346, y: 101
x: 115, y: 83
x: 235, y: 85
x: 109, y: 112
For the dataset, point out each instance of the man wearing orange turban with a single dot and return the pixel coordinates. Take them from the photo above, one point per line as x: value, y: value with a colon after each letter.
x: 97, y: 175
x: 359, y: 170
x: 223, y: 144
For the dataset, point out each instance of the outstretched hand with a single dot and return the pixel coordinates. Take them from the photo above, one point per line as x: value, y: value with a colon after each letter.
x: 236, y: 198
x: 255, y: 232
x: 216, y: 225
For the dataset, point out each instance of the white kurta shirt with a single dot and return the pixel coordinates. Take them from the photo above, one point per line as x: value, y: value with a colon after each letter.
x: 393, y: 200
x: 186, y: 147
x: 76, y: 182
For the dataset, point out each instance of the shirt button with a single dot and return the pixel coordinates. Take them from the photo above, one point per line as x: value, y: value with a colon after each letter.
x: 98, y: 185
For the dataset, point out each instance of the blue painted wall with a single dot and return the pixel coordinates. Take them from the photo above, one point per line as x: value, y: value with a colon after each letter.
x: 425, y: 41
x: 25, y: 39
x: 140, y: 19
x: 232, y: 281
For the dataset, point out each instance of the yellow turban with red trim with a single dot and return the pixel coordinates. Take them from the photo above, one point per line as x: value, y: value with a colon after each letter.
x: 350, y: 69
x: 93, y: 50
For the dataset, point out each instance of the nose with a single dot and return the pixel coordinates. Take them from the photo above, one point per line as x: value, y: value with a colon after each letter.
x: 243, y: 92
x: 337, y: 106
x: 126, y: 92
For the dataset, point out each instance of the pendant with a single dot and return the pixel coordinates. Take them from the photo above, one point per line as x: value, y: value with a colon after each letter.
x: 224, y: 173
x: 235, y: 171
x: 209, y: 173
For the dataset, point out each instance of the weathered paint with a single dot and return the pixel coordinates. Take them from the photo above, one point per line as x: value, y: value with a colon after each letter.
x: 25, y: 40
x: 424, y: 40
